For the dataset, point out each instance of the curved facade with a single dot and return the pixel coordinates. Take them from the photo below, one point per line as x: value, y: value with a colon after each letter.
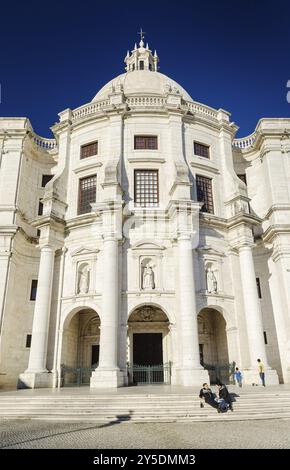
x: 143, y: 234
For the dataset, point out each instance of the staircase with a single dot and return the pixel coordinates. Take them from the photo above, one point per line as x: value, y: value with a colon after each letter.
x: 139, y: 407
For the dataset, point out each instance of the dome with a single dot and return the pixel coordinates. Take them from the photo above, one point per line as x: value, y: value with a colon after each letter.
x: 141, y: 82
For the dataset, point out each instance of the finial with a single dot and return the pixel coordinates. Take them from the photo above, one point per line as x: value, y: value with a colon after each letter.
x: 155, y: 53
x: 135, y: 47
x: 128, y: 55
x: 141, y: 43
x: 147, y: 45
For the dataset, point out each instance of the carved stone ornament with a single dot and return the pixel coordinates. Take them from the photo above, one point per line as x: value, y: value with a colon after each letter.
x: 147, y: 314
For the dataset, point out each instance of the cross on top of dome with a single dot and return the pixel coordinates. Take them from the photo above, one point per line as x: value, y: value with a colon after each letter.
x: 141, y: 58
x: 141, y: 43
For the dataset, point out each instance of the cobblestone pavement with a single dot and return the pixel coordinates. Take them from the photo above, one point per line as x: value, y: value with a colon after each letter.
x: 26, y: 434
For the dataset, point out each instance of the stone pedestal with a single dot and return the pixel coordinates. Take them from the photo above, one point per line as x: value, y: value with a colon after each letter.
x: 189, y: 377
x: 35, y: 380
x: 251, y: 376
x: 102, y: 378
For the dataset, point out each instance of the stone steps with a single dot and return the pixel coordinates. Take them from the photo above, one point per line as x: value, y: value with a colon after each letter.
x: 140, y: 407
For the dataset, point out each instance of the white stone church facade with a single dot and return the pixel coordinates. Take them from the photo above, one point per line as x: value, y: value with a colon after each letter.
x: 143, y: 233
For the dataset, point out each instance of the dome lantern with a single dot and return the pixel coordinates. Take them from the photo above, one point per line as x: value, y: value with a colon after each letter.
x: 141, y: 58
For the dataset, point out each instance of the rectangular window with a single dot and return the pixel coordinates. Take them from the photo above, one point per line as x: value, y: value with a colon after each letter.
x: 45, y: 180
x: 40, y: 208
x: 204, y: 193
x: 145, y: 142
x: 141, y: 64
x: 259, y: 287
x: 146, y: 188
x: 28, y: 341
x: 243, y: 178
x: 89, y: 150
x: 33, y: 289
x: 201, y: 150
x: 265, y: 338
x: 87, y: 193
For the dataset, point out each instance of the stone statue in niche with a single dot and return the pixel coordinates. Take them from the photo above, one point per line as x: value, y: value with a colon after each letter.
x: 84, y: 280
x: 148, y: 278
x: 211, y: 282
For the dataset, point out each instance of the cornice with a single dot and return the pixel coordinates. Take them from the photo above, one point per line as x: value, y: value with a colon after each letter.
x: 215, y: 296
x: 243, y: 218
x: 274, y: 230
x: 87, y: 167
x: 276, y: 207
x: 145, y: 159
x: 82, y: 220
x: 51, y: 220
x: 208, y: 166
x: 211, y: 220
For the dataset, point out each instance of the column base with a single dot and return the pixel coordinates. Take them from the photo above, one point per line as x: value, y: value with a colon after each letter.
x: 35, y: 380
x: 108, y: 378
x: 189, y: 377
x: 251, y: 376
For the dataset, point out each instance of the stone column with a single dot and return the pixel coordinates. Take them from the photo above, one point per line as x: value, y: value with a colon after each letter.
x: 108, y: 373
x: 36, y: 374
x: 253, y: 317
x: 189, y: 371
x: 279, y: 293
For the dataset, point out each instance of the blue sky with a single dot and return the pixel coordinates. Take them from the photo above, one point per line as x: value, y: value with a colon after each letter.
x: 233, y: 55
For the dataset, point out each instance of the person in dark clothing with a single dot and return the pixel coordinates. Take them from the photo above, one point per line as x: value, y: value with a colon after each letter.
x: 207, y: 396
x: 224, y: 398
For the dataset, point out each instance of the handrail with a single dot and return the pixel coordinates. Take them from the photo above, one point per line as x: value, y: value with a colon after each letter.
x: 44, y: 143
x: 245, y: 142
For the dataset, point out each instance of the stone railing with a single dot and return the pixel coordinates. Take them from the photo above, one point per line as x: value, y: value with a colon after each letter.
x: 198, y: 108
x: 145, y: 101
x: 88, y: 109
x: 245, y: 142
x: 42, y: 142
x: 142, y: 101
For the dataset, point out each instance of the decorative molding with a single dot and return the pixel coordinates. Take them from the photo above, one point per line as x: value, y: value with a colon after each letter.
x: 147, y: 245
x: 145, y: 159
x: 84, y: 251
x: 208, y: 250
x: 87, y: 167
x: 196, y: 162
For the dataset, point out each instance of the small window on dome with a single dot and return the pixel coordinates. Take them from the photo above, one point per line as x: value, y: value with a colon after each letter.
x: 133, y: 67
x: 141, y: 64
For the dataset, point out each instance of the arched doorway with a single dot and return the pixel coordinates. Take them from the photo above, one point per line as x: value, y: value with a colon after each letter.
x: 80, y: 347
x: 148, y: 348
x: 213, y: 345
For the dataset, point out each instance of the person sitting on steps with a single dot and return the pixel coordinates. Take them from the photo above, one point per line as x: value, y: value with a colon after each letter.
x: 224, y: 398
x: 207, y: 396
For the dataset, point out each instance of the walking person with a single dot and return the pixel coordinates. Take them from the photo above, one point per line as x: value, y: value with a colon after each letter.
x: 261, y: 369
x: 238, y: 377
